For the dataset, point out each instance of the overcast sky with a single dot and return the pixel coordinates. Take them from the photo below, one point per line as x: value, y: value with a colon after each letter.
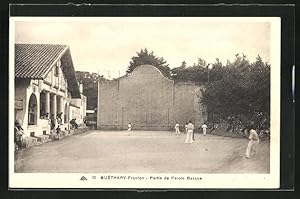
x: 107, y: 44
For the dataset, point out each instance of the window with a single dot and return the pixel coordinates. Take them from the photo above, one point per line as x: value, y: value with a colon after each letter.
x: 32, y: 110
x: 43, y: 114
x: 56, y: 69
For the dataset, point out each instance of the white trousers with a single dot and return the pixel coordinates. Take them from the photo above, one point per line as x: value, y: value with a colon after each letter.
x: 177, y: 131
x: 251, y: 144
x: 129, y: 131
x: 204, y: 131
x: 189, y: 137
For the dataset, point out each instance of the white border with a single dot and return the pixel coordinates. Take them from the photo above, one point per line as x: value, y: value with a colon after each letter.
x: 72, y: 180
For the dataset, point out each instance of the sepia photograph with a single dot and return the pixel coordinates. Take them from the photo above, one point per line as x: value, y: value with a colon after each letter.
x: 144, y: 102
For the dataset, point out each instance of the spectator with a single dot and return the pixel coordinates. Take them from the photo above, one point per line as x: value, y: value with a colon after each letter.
x: 57, y: 135
x: 59, y: 119
x: 18, y: 134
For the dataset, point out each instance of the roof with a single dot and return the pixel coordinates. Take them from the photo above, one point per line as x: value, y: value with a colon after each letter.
x: 73, y: 105
x: 35, y: 61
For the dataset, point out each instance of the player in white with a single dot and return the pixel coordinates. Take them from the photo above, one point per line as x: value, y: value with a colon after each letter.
x: 189, y: 135
x: 185, y: 127
x: 254, y: 140
x: 129, y: 128
x: 177, y: 128
x: 204, y: 127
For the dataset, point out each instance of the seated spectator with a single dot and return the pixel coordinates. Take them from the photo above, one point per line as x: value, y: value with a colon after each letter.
x: 74, y: 124
x: 59, y: 119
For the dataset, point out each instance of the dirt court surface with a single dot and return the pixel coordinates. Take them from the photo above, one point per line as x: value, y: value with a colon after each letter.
x: 143, y: 152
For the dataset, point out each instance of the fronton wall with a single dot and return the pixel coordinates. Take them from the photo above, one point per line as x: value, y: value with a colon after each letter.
x: 148, y: 100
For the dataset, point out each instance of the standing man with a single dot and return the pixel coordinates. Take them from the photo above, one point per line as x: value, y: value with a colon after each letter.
x: 204, y: 127
x: 190, y: 130
x: 177, y: 128
x: 185, y: 127
x: 18, y: 134
x: 254, y: 140
x: 129, y: 128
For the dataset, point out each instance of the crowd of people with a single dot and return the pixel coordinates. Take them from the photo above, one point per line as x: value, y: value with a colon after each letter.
x: 54, y: 122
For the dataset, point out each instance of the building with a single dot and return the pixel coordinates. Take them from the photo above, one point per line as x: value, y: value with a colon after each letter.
x: 90, y: 113
x: 45, y: 84
x: 148, y: 100
x: 91, y: 118
x: 78, y: 107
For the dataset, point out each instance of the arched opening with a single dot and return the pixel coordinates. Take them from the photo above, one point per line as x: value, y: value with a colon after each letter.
x: 32, y: 110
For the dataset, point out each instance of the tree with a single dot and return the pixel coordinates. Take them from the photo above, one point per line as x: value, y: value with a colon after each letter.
x: 144, y: 57
x: 183, y: 65
x: 239, y: 90
x: 90, y: 87
x: 216, y: 71
x: 196, y: 73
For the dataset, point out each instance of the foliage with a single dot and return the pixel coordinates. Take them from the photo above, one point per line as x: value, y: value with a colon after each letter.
x: 144, y: 57
x: 196, y: 73
x: 90, y: 87
x: 239, y: 93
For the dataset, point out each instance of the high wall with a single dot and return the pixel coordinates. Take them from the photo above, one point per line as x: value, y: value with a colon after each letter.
x: 148, y: 100
x: 187, y: 107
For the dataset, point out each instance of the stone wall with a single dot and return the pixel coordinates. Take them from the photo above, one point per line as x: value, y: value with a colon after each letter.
x: 148, y: 100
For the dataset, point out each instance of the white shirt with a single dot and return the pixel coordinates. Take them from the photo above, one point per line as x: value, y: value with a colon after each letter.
x: 176, y: 125
x: 129, y: 125
x: 253, y: 135
x: 190, y: 126
x: 204, y: 126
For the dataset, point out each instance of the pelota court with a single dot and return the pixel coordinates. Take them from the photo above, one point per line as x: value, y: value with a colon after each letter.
x: 143, y: 152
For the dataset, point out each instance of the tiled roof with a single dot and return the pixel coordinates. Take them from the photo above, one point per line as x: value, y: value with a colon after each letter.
x: 35, y: 60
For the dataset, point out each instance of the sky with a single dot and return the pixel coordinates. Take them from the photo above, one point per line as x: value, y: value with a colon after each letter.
x: 106, y: 45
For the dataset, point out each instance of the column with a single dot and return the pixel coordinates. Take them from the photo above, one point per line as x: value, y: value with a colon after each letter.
x: 62, y: 108
x: 54, y: 111
x: 47, y: 104
x: 58, y: 104
x: 68, y: 112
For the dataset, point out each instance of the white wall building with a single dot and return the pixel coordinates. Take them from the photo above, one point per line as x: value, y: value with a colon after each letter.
x: 78, y: 107
x: 45, y: 84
